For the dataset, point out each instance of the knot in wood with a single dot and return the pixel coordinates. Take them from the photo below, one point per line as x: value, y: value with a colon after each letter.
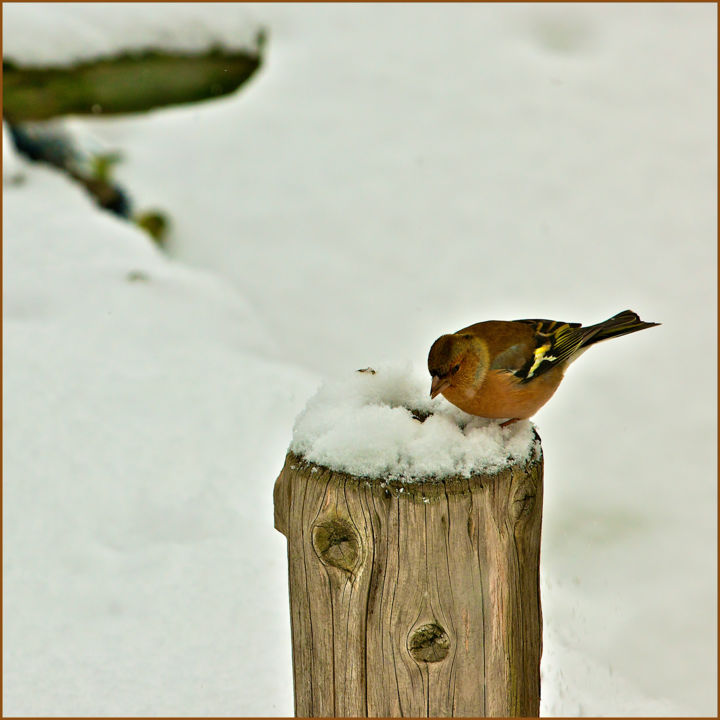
x: 429, y: 643
x: 523, y: 500
x: 336, y: 543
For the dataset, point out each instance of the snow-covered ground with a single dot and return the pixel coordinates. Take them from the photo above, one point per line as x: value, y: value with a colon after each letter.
x: 392, y: 173
x: 60, y: 34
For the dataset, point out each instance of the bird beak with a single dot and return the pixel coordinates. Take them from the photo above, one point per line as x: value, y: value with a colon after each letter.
x: 438, y: 385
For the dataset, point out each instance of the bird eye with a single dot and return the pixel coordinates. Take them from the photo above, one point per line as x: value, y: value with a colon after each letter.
x: 456, y: 368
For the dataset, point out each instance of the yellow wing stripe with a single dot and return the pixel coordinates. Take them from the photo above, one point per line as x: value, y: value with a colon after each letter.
x: 540, y: 357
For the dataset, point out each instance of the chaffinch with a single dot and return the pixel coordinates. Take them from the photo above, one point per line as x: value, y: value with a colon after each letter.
x: 510, y: 369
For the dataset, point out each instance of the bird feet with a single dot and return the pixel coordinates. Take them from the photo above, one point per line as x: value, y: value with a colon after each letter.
x: 509, y: 422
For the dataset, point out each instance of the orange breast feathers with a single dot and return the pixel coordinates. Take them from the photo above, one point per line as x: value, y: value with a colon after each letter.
x: 501, y: 394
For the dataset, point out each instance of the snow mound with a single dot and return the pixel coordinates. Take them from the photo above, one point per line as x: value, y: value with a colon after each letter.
x: 382, y: 423
x: 49, y: 34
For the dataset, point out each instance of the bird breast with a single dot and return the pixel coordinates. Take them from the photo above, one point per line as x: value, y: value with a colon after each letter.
x: 502, y: 395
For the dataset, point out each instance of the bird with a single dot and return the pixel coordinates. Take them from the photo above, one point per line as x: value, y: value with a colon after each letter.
x: 508, y: 369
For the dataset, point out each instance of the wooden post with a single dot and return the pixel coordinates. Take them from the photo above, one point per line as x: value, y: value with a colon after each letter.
x: 413, y: 599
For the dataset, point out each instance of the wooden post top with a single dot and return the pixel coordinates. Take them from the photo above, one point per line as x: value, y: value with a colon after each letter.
x: 423, y: 490
x: 413, y: 548
x: 383, y: 426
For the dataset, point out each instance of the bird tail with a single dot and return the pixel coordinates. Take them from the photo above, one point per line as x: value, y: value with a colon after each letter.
x: 623, y: 323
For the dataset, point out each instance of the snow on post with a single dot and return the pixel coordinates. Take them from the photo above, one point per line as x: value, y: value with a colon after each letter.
x: 413, y: 536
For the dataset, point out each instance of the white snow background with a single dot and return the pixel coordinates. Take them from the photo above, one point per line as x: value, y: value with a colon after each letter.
x: 393, y: 172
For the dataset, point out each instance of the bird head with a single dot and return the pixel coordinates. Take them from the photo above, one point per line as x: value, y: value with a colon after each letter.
x: 450, y: 357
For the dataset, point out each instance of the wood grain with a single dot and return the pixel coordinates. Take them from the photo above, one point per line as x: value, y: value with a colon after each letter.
x: 413, y: 599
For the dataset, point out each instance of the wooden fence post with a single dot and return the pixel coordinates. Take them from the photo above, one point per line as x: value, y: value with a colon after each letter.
x: 413, y: 599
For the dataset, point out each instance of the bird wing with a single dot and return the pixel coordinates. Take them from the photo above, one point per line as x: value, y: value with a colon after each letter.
x: 513, y: 359
x: 554, y: 343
